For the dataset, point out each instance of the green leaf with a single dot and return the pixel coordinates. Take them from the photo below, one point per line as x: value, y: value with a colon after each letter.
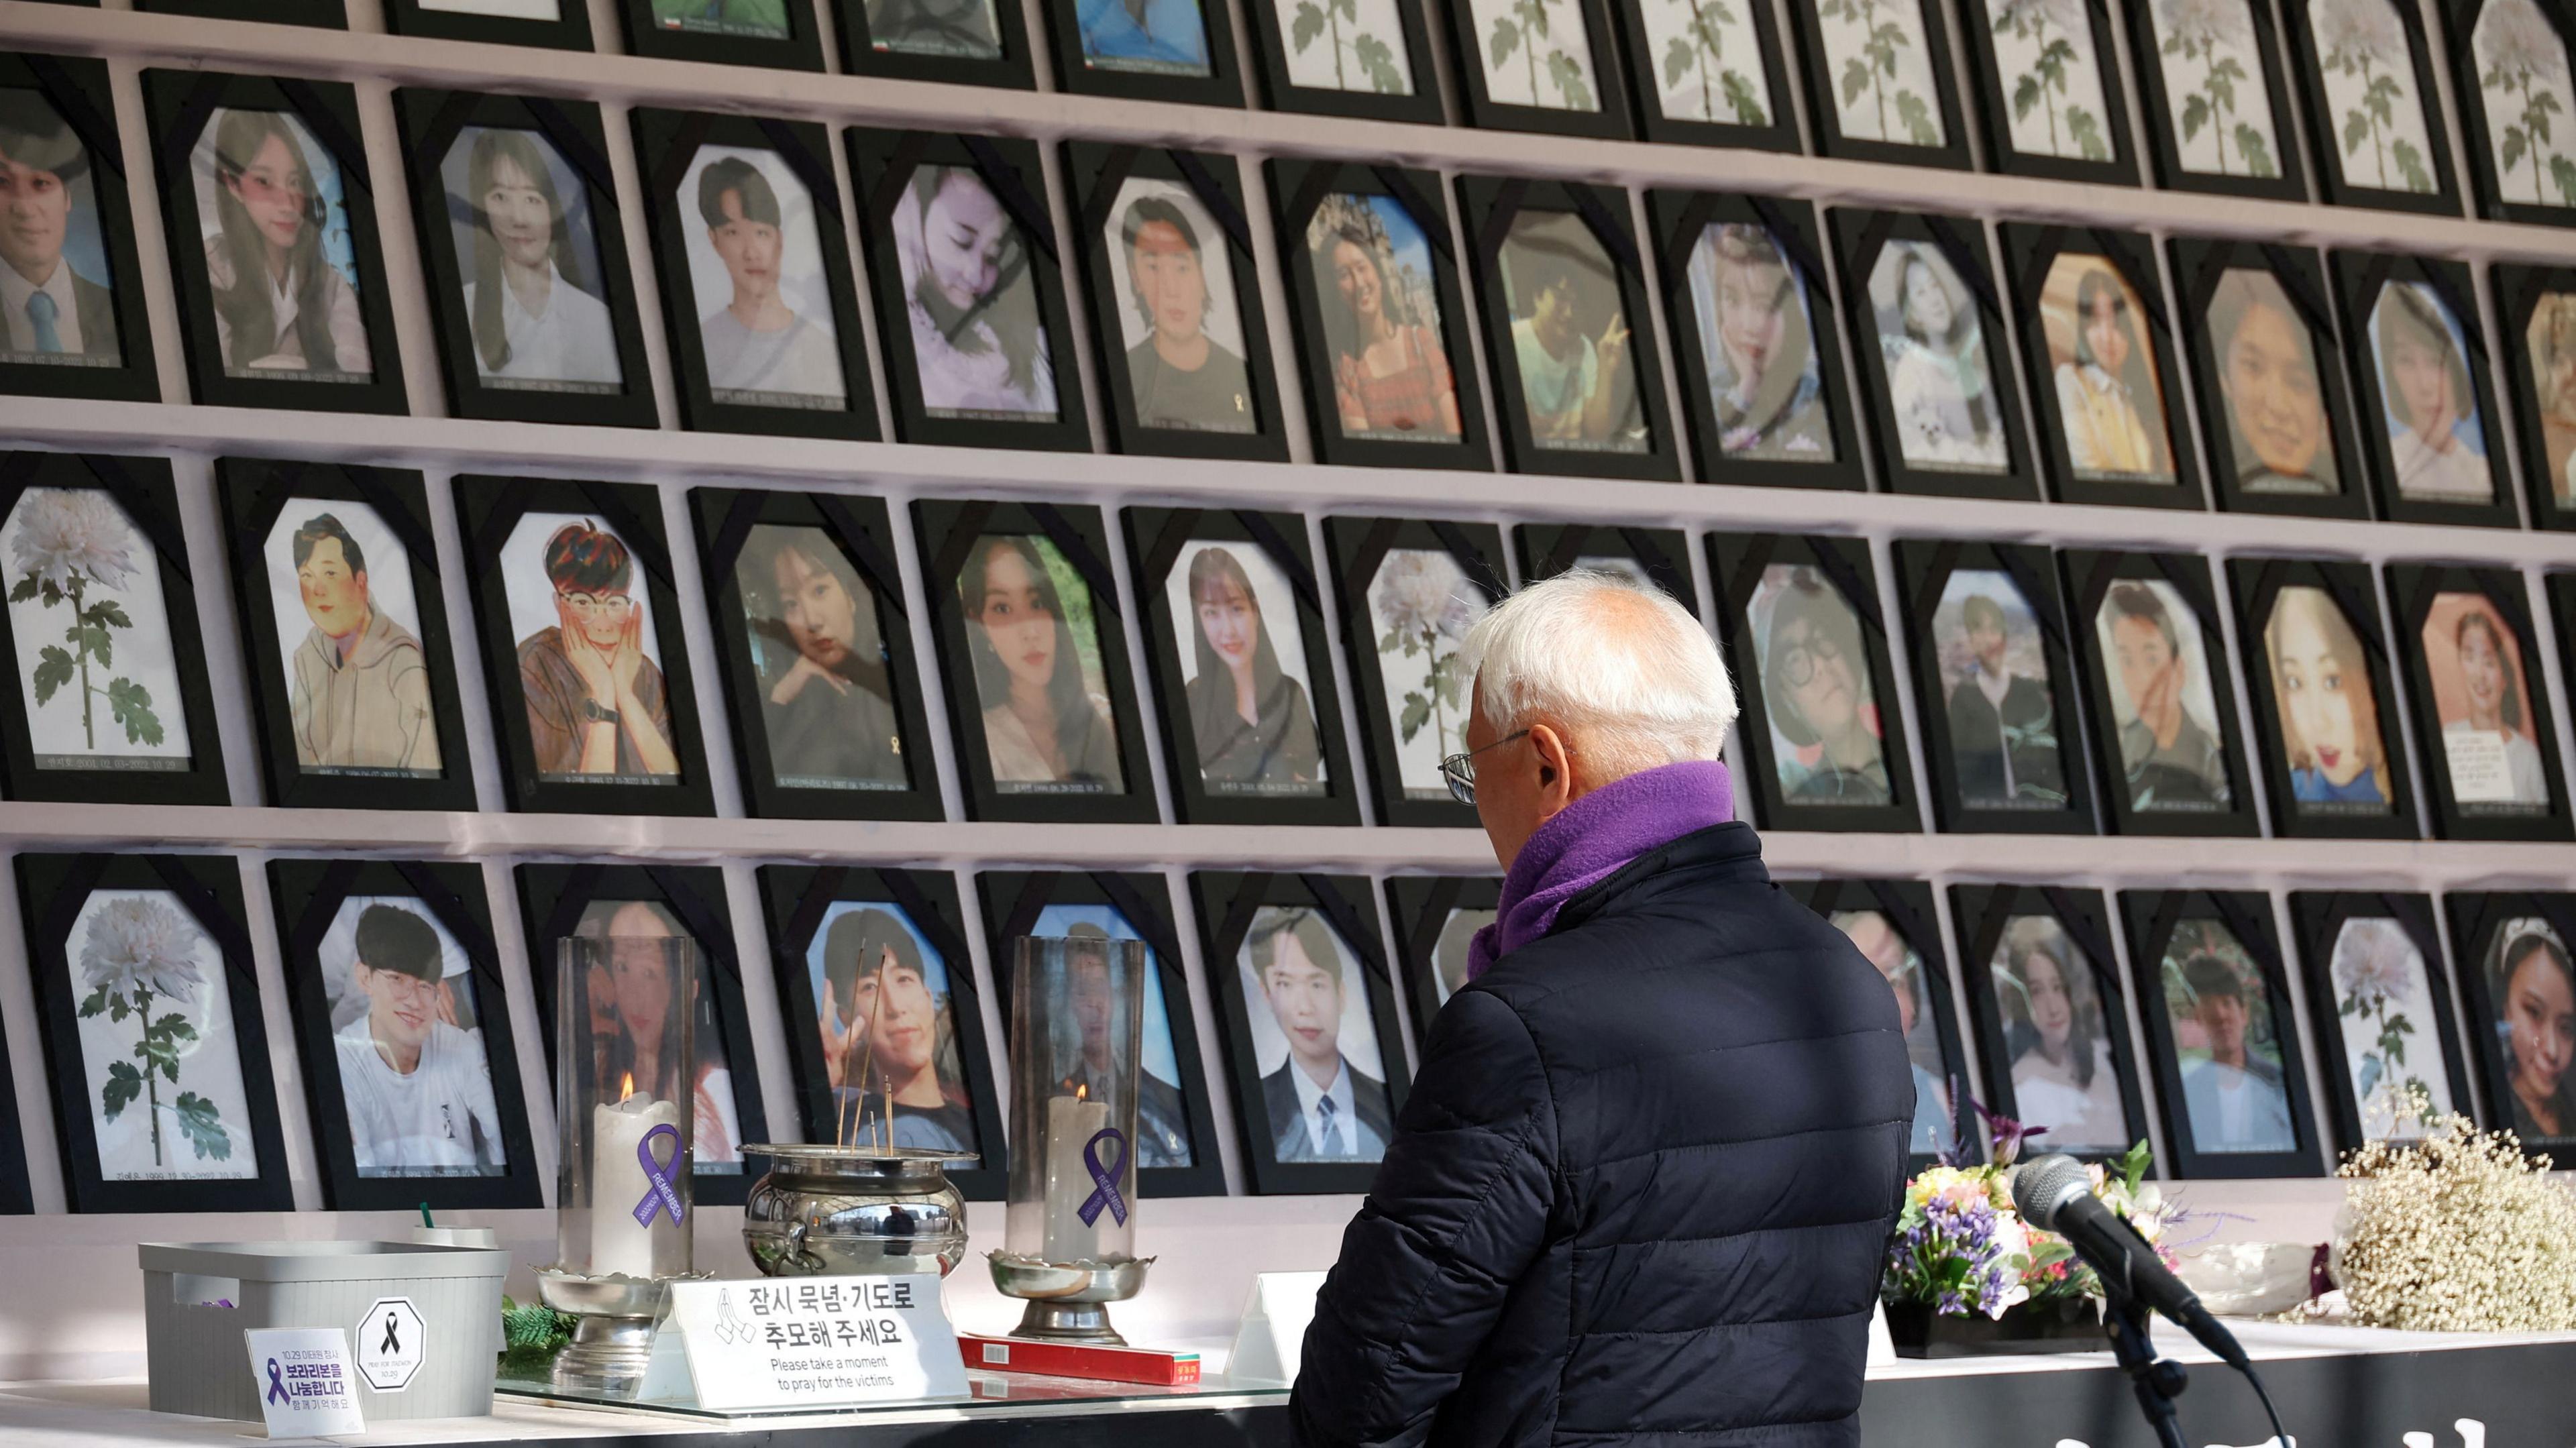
x: 1308, y: 24
x: 98, y: 643
x: 2087, y: 133
x: 2195, y: 114
x: 1507, y: 38
x: 2258, y: 152
x: 2410, y: 164
x: 53, y: 670
x: 2562, y: 174
x: 94, y: 1003
x: 131, y: 704
x: 123, y: 1085
x: 1379, y: 61
x: 118, y: 1008
x: 1855, y: 80
x: 2356, y: 129
x: 1739, y: 94
x: 1567, y: 75
x: 2025, y: 96
x: 53, y: 593
x: 25, y: 590
x: 176, y: 1027
x: 1678, y: 60
x: 108, y: 612
x: 1417, y: 712
x: 1917, y: 118
x: 2515, y: 143
x: 204, y: 1127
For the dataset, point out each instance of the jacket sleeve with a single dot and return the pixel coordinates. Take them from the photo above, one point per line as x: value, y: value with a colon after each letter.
x: 1459, y: 1212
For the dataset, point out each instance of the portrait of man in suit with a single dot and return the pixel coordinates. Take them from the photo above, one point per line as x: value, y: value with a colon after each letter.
x: 2003, y: 721
x: 53, y: 313
x: 1322, y: 1109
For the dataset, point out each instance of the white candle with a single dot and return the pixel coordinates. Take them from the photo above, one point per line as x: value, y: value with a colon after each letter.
x: 619, y: 1243
x: 1071, y: 1123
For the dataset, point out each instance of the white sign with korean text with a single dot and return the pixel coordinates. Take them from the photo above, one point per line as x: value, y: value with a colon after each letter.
x: 817, y: 1341
x: 307, y: 1387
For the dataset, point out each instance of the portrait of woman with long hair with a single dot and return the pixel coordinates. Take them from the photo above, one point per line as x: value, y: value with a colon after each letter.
x: 2533, y: 986
x: 1939, y: 382
x: 821, y: 655
x: 1254, y: 724
x: 2054, y: 1024
x: 1764, y: 378
x: 531, y: 289
x: 2100, y: 367
x: 979, y: 343
x: 2329, y: 714
x: 636, y: 1022
x: 2478, y: 687
x: 1391, y: 375
x: 282, y: 303
x: 1045, y: 723
x: 1816, y: 686
x: 2439, y: 450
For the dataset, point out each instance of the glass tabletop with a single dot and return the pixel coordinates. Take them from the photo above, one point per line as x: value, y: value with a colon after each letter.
x: 986, y: 1389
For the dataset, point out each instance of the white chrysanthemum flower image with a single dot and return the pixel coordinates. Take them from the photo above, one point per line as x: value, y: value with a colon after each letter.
x: 142, y: 943
x: 2359, y: 28
x: 2514, y: 36
x: 1422, y: 591
x: 2065, y: 15
x: 2200, y: 21
x: 2374, y: 961
x: 69, y: 535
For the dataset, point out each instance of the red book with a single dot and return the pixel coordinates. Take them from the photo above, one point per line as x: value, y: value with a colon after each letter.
x: 1161, y: 1367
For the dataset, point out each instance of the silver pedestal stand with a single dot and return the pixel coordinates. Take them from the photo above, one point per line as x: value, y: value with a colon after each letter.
x: 613, y: 1342
x: 1068, y: 1301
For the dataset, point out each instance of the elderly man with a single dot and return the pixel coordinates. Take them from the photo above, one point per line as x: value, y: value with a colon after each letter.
x: 1641, y: 1187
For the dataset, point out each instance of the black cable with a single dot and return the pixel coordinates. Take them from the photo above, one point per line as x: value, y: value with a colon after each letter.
x: 2280, y: 1438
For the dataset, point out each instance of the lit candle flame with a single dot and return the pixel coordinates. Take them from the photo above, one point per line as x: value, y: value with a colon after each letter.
x: 626, y: 1086
x: 1082, y: 1092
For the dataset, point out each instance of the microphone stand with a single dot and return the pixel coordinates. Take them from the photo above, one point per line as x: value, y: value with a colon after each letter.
x: 2158, y: 1381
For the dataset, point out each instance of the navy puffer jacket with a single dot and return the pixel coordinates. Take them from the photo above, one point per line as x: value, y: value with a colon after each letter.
x: 1640, y: 1191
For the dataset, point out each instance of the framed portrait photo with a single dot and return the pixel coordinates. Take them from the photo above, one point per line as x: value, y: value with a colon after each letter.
x: 885, y: 1030
x: 271, y: 211
x: 327, y: 14
x: 1436, y: 918
x: 1539, y: 65
x: 1707, y: 73
x: 1373, y: 273
x: 1146, y: 50
x: 1753, y: 329
x: 2163, y: 698
x: 816, y: 647
x: 1928, y: 327
x: 1367, y: 59
x: 2216, y: 106
x: 1878, y: 82
x: 409, y: 1068
x: 756, y: 293
x: 163, y: 1101
x: 655, y: 903
x: 2265, y: 355
x: 2221, y: 1033
x: 958, y: 42
x: 2098, y: 340
x: 554, y: 24
x: 1309, y: 1021
x: 1027, y: 614
x: 112, y: 704
x: 2052, y: 1022
x: 2537, y: 306
x: 345, y: 621
x: 526, y: 255
x: 1177, y: 326
x: 2474, y: 675
x: 1565, y: 302
x: 2048, y: 89
x: 2334, y: 758
x: 2509, y: 73
x: 1997, y: 688
x: 582, y: 647
x: 1410, y: 588
x: 1653, y: 559
x: 2392, y: 1059
x: 1891, y: 923
x: 2366, y: 78
x: 2430, y: 428
x: 1176, y: 1130
x: 780, y: 34
x: 1823, y: 738
x: 1243, y: 679
x: 2520, y: 990
x: 72, y: 320
x: 969, y: 291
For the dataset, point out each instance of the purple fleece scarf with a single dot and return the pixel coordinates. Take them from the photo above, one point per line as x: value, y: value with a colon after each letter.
x: 1593, y: 838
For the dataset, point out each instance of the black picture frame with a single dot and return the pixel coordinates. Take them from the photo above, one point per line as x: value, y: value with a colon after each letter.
x: 2165, y: 110
x: 1651, y: 67
x: 1861, y: 239
x: 553, y: 897
x: 2478, y: 921
x: 179, y: 106
x: 1228, y: 906
x: 797, y: 901
x: 326, y: 14
x: 800, y: 49
x: 255, y: 494
x: 309, y: 894
x: 1419, y: 105
x: 2004, y: 98
x: 2413, y: 591
x: 1358, y: 547
x: 1075, y: 71
x: 52, y: 889
x: 882, y: 165
x: 76, y: 89
x: 2200, y: 268
x: 1155, y: 539
x: 2091, y: 577
x: 1420, y: 908
x: 1737, y: 564
x: 949, y: 531
x: 1824, y: 82
x: 857, y: 528
x: 2031, y: 257
x: 1471, y: 40
x: 1982, y: 914
x: 1659, y: 556
x: 2155, y: 919
x: 1681, y: 219
x: 1096, y: 174
x: 143, y: 490
x: 1299, y: 190
x: 1013, y: 901
x: 2363, y: 283
x: 1906, y: 906
x: 1014, y: 68
x: 569, y: 30
x: 16, y: 1198
x: 1924, y: 568
x: 431, y: 123
x: 1490, y: 207
x: 2256, y: 584
x: 666, y: 147
x: 489, y: 509
x: 2332, y: 133
x: 2498, y: 188
x: 2319, y: 918
x: 2544, y: 423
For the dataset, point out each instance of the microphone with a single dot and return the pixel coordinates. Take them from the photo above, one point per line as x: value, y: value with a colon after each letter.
x: 2055, y: 1194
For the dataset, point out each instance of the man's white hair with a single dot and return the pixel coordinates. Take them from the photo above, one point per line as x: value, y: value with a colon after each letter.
x: 1626, y: 670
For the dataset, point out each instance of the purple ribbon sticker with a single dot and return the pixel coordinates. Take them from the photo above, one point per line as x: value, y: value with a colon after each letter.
x: 1104, y: 1179
x: 659, y: 1193
x: 276, y: 1383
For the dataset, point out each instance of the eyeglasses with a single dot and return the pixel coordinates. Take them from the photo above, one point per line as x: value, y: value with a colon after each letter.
x: 1798, y: 662
x: 1459, y: 770
x: 614, y: 605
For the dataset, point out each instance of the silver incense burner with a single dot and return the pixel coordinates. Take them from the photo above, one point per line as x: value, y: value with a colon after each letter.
x: 854, y: 1211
